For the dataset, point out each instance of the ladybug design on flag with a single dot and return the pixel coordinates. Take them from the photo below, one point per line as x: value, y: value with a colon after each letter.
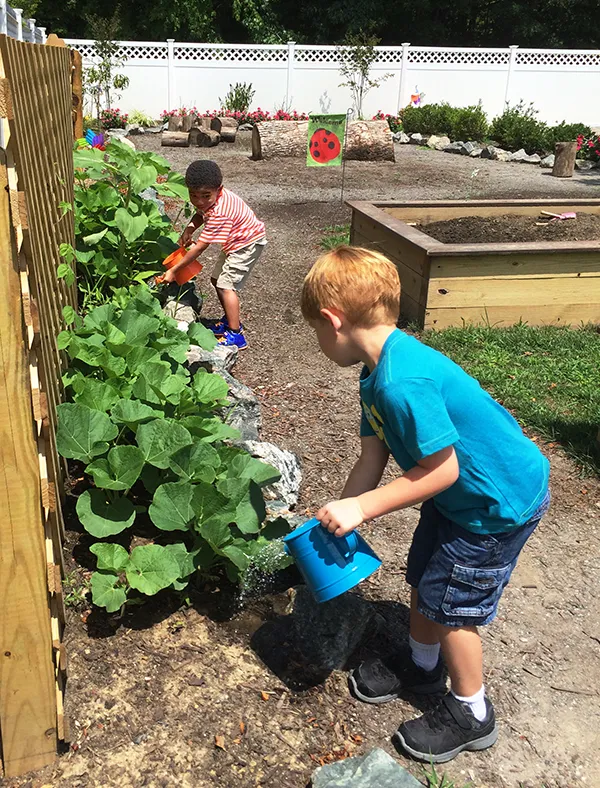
x: 324, y: 146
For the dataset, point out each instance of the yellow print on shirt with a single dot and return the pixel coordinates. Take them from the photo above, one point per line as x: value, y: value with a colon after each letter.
x: 376, y: 422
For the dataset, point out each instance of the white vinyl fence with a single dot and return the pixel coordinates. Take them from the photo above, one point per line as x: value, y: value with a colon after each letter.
x: 13, y: 25
x: 562, y: 84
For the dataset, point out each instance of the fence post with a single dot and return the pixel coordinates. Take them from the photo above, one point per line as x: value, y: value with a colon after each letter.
x: 31, y: 26
x: 403, y: 70
x: 171, y: 73
x: 43, y: 34
x: 18, y: 12
x: 513, y: 56
x: 291, y: 56
x: 3, y: 21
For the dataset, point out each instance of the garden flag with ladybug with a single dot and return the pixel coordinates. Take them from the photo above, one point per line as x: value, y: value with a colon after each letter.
x: 325, y: 140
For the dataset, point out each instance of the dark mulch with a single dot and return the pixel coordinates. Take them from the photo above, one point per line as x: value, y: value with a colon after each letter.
x: 514, y: 229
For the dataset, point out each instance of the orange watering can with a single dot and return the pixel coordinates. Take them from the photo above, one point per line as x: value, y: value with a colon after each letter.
x: 183, y: 275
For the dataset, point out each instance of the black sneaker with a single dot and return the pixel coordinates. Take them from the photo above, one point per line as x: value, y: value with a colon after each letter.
x: 440, y: 734
x: 379, y: 681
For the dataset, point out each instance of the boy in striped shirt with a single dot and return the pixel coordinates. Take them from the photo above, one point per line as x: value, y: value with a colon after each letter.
x: 227, y: 221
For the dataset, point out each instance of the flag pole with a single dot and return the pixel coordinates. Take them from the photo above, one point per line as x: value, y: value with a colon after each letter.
x: 349, y: 113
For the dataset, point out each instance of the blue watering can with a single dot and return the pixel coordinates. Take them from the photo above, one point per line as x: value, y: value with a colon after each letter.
x: 330, y: 564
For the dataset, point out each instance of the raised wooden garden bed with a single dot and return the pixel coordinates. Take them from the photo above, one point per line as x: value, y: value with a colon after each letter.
x: 496, y: 283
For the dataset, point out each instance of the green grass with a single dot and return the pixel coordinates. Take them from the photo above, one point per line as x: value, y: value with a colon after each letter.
x: 434, y: 780
x: 335, y: 235
x: 548, y: 377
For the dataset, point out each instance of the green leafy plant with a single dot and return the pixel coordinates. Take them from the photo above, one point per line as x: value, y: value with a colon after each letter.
x: 101, y: 82
x: 469, y: 123
x: 238, y: 98
x: 356, y: 58
x: 139, y: 118
x: 151, y: 441
x: 121, y: 236
x: 518, y: 127
x: 458, y: 123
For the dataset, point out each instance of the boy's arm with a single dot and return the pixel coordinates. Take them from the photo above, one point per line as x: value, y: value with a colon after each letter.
x: 195, y: 251
x: 368, y: 469
x: 430, y: 476
x: 186, y: 236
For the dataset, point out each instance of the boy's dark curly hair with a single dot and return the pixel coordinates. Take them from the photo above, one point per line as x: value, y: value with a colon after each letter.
x: 203, y: 174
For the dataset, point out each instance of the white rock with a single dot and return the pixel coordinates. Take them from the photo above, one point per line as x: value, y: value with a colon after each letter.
x: 417, y: 139
x: 548, y: 162
x: 223, y: 357
x: 476, y: 153
x: 438, y: 143
x: 584, y: 166
x: 287, y: 488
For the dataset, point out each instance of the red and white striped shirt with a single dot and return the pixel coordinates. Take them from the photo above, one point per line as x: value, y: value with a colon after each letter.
x: 231, y: 222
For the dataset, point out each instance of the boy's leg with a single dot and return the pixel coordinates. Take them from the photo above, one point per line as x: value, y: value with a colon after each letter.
x: 230, y: 301
x: 459, y: 591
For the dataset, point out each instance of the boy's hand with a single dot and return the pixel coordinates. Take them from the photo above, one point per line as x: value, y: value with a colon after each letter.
x: 341, y: 517
x: 168, y: 276
x: 187, y: 235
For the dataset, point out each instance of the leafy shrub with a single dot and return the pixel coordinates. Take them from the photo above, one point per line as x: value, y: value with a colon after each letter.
x: 139, y: 118
x: 394, y: 121
x: 458, y: 123
x: 588, y: 147
x: 238, y: 98
x: 518, y: 128
x: 121, y: 236
x: 469, y: 123
x: 112, y: 119
x: 156, y: 466
x: 566, y: 132
x: 428, y: 119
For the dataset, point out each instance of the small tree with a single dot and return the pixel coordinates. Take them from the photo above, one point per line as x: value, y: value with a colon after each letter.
x: 356, y: 57
x: 101, y: 82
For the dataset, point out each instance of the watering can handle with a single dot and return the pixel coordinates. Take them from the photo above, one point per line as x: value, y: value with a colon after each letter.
x: 352, y: 542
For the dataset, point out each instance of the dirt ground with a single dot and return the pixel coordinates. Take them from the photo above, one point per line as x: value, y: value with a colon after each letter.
x: 199, y: 698
x: 514, y: 229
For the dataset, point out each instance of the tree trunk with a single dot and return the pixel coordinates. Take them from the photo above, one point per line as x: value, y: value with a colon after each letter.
x: 203, y: 122
x: 367, y: 140
x: 175, y: 139
x: 564, y: 161
x: 218, y: 124
x: 204, y: 138
x: 175, y: 123
x: 187, y: 122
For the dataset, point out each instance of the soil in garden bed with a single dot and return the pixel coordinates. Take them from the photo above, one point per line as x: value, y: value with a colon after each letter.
x: 513, y: 229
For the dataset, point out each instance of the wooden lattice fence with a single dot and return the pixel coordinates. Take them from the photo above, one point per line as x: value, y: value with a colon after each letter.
x: 36, y: 176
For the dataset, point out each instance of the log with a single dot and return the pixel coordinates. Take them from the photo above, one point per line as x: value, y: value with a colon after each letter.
x: 204, y: 138
x: 175, y: 123
x: 187, y: 122
x: 218, y: 124
x: 564, y: 159
x: 202, y: 122
x: 228, y: 134
x: 175, y: 139
x: 367, y: 140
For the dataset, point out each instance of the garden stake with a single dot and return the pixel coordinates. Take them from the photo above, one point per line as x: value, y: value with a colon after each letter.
x: 349, y: 114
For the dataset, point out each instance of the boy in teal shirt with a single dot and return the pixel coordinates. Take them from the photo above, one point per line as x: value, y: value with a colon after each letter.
x: 482, y: 483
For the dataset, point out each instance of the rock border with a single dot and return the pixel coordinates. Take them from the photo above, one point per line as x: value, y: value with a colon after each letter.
x: 479, y: 151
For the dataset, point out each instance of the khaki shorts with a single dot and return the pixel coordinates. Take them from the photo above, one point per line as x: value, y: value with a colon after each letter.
x: 232, y: 270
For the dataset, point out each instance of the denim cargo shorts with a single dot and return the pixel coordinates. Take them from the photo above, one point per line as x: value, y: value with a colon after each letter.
x: 460, y: 575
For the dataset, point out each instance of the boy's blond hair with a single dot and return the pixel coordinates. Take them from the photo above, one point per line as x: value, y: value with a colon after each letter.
x: 362, y: 283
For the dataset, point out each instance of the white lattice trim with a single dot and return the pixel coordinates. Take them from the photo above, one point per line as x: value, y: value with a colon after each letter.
x: 129, y: 50
x: 231, y: 53
x: 557, y: 57
x: 458, y: 57
x: 330, y: 55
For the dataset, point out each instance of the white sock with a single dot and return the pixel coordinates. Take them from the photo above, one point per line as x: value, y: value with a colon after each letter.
x: 475, y: 702
x: 424, y: 655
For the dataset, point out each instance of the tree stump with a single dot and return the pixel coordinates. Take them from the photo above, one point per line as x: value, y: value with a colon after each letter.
x: 204, y: 138
x: 218, y: 124
x: 187, y: 121
x: 367, y: 140
x: 202, y: 122
x: 175, y: 123
x: 175, y: 139
x: 564, y: 161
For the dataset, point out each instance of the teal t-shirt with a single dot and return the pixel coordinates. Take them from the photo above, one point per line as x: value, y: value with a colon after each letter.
x: 419, y: 401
